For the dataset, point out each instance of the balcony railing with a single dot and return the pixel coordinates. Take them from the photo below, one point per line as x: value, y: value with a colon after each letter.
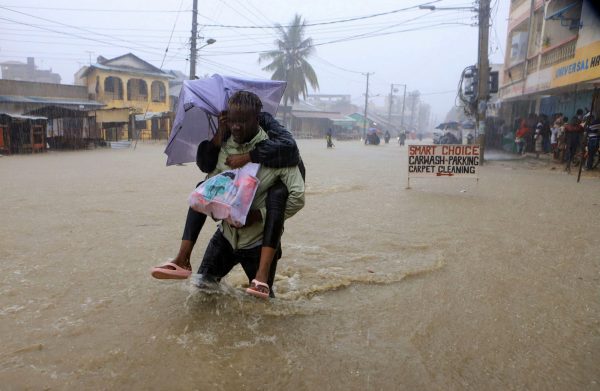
x: 559, y: 53
x: 532, y: 65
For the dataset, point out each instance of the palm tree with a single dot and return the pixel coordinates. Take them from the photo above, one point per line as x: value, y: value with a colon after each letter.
x: 288, y: 62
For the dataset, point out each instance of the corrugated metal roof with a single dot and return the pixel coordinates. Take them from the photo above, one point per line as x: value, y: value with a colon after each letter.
x: 345, y: 119
x: 21, y: 116
x: 46, y: 100
x: 127, y: 70
x: 320, y: 114
x: 304, y: 106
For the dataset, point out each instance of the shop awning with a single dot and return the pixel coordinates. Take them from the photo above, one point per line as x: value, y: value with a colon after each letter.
x: 151, y: 115
x: 69, y: 103
x: 23, y: 117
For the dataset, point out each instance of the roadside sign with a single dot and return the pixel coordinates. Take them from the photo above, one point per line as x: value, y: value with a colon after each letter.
x: 447, y: 160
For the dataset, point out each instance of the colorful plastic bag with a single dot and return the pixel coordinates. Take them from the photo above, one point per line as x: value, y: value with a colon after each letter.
x: 228, y: 195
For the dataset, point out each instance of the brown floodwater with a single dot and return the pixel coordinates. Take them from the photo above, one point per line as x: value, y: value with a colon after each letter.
x: 451, y: 285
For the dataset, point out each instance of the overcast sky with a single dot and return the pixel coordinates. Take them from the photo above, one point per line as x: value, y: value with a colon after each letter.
x: 429, y: 58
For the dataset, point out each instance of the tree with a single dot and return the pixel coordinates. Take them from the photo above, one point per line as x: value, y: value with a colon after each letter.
x: 289, y: 61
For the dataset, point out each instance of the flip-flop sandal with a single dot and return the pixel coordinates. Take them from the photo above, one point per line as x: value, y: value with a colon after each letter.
x: 177, y: 273
x: 255, y: 292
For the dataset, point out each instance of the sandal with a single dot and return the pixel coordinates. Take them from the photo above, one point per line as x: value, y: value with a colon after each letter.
x: 177, y: 273
x: 254, y: 291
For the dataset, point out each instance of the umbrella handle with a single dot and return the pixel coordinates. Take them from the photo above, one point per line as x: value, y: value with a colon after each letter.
x: 211, y: 123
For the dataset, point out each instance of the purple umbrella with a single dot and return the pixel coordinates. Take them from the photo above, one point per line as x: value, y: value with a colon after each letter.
x: 201, y: 101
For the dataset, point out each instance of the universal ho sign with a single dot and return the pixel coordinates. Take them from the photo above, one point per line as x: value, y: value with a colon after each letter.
x: 443, y: 161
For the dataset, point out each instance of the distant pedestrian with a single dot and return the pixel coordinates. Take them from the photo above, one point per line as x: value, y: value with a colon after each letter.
x: 539, y: 140
x: 329, y: 138
x: 593, y: 139
x: 546, y: 132
x: 554, y: 137
x: 573, y: 131
x: 561, y: 137
x: 402, y: 137
x: 531, y: 123
x: 521, y: 137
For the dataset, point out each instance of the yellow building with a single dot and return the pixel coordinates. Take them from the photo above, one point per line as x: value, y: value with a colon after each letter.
x: 552, y: 62
x: 136, y: 95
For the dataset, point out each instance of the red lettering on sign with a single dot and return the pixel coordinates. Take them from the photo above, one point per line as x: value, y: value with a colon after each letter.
x: 469, y: 150
x: 421, y: 150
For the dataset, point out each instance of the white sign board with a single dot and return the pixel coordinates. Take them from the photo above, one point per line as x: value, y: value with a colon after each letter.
x: 443, y: 160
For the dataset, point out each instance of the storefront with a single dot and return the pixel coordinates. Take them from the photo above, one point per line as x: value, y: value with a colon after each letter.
x: 22, y: 133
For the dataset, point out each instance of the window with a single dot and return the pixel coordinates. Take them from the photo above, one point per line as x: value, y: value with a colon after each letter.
x: 113, y: 87
x: 137, y: 89
x: 159, y: 93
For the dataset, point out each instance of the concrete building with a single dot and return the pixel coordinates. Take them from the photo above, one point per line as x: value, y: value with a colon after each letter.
x: 340, y: 103
x: 135, y: 94
x: 552, y: 60
x: 175, y: 85
x: 67, y: 110
x: 16, y: 70
x: 309, y: 121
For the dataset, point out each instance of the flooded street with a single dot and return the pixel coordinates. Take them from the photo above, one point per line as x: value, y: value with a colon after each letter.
x: 451, y: 285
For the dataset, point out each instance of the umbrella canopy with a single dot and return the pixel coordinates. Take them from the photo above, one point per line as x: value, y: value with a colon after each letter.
x: 200, y: 101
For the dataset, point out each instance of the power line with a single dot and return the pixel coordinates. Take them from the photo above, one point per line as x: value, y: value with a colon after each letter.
x: 73, y: 27
x: 242, y: 15
x: 362, y: 36
x: 74, y: 35
x: 439, y: 92
x: 230, y: 68
x: 334, y: 34
x: 171, y: 37
x: 348, y: 39
x: 236, y: 35
x: 336, y: 66
x: 316, y: 33
x: 325, y: 23
x: 217, y: 53
x: 112, y: 10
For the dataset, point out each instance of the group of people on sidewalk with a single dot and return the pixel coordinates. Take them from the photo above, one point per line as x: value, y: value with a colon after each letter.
x: 559, y: 135
x: 245, y: 134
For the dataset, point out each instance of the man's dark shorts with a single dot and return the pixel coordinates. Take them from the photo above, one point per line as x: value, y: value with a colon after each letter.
x: 220, y: 258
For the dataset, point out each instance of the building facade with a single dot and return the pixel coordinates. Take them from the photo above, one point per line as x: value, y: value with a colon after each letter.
x: 135, y: 94
x: 552, y: 62
x: 67, y: 110
x: 16, y: 70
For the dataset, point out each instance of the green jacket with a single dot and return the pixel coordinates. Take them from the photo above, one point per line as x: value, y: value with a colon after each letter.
x: 251, y: 236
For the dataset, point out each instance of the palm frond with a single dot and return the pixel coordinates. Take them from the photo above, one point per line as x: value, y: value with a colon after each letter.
x: 289, y: 60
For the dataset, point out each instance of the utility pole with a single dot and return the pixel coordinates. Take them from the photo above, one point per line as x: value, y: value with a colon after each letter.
x: 483, y: 65
x: 390, y: 106
x: 413, y: 106
x: 193, y: 50
x: 403, y: 105
x: 366, y: 106
x: 391, y: 101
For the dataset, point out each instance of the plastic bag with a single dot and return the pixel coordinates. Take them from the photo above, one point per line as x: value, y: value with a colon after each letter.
x: 228, y: 195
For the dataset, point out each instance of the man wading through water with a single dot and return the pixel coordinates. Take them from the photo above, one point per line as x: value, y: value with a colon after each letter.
x: 277, y: 151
